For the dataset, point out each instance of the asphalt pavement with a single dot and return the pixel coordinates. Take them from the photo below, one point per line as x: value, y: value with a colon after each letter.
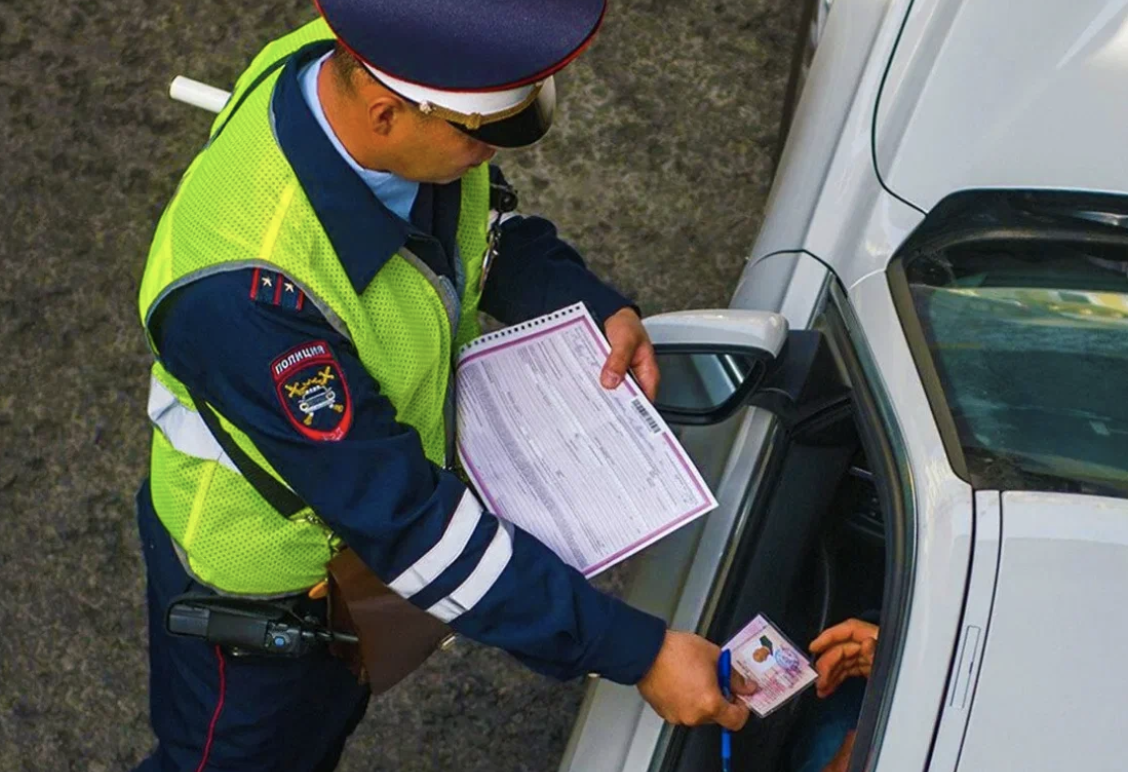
x: 658, y: 170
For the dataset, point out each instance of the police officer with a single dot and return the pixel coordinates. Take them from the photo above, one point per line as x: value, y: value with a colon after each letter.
x: 307, y: 285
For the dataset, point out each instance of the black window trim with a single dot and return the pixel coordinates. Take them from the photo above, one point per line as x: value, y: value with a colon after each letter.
x: 925, y: 366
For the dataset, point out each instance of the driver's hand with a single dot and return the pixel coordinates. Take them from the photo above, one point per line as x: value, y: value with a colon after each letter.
x: 682, y: 684
x: 843, y: 651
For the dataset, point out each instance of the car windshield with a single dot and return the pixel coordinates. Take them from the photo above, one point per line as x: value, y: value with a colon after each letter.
x: 1029, y: 343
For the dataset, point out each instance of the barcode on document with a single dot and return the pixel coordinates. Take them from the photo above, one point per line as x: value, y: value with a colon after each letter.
x: 651, y: 423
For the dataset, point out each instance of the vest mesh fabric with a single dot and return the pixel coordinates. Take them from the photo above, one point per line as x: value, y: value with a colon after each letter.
x: 471, y: 238
x: 240, y: 204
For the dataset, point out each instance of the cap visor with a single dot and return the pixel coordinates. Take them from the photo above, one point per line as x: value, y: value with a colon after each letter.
x: 523, y: 129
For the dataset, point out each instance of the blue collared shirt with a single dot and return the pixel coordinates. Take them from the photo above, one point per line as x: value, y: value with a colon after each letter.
x: 374, y: 486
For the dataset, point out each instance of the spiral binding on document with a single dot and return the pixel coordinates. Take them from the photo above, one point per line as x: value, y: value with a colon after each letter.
x: 570, y: 312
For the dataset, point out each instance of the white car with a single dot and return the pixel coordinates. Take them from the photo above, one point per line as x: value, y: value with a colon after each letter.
x: 942, y: 432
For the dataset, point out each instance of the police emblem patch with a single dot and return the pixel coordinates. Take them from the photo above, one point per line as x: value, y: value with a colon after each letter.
x: 313, y: 392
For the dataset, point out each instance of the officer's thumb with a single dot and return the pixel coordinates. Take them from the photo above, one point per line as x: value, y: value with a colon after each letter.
x: 733, y: 716
x: 615, y: 367
x: 742, y: 686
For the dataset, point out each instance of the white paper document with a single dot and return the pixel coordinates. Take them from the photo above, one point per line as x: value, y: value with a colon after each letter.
x: 595, y: 475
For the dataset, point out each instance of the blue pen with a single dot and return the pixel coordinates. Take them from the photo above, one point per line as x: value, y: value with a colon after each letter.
x: 724, y: 677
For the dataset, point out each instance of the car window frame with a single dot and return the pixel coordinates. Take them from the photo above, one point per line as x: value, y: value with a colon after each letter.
x: 881, y: 439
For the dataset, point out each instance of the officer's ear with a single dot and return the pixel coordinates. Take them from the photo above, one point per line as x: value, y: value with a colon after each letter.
x: 386, y: 112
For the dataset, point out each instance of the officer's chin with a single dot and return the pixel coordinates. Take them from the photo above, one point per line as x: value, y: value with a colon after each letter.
x: 455, y: 174
x: 451, y: 178
x: 437, y: 177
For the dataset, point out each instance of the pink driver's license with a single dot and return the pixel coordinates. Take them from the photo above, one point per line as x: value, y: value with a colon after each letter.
x: 763, y: 654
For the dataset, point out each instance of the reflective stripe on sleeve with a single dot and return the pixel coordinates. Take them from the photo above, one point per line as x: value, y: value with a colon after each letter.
x: 481, y: 579
x: 447, y: 550
x: 183, y: 428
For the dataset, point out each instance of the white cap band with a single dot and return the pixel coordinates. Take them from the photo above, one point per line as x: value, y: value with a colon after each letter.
x: 484, y: 103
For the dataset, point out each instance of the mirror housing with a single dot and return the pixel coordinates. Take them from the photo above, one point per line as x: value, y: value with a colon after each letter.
x: 711, y: 361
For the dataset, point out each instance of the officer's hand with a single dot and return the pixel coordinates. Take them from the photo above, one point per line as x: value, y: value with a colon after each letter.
x: 682, y: 684
x: 843, y: 651
x: 630, y: 348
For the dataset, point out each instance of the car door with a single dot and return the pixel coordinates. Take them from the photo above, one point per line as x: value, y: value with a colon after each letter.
x: 803, y: 483
x: 711, y: 577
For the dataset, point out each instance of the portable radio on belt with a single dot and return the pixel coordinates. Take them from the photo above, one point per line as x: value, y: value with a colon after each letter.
x: 249, y: 627
x: 503, y: 200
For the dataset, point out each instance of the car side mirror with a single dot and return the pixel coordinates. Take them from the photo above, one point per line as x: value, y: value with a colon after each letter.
x: 712, y: 361
x: 701, y: 387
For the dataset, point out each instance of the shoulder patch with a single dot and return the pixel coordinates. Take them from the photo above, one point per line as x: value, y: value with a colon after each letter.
x: 276, y: 289
x: 312, y: 389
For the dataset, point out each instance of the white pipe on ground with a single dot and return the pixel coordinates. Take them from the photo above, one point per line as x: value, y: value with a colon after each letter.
x: 198, y: 94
